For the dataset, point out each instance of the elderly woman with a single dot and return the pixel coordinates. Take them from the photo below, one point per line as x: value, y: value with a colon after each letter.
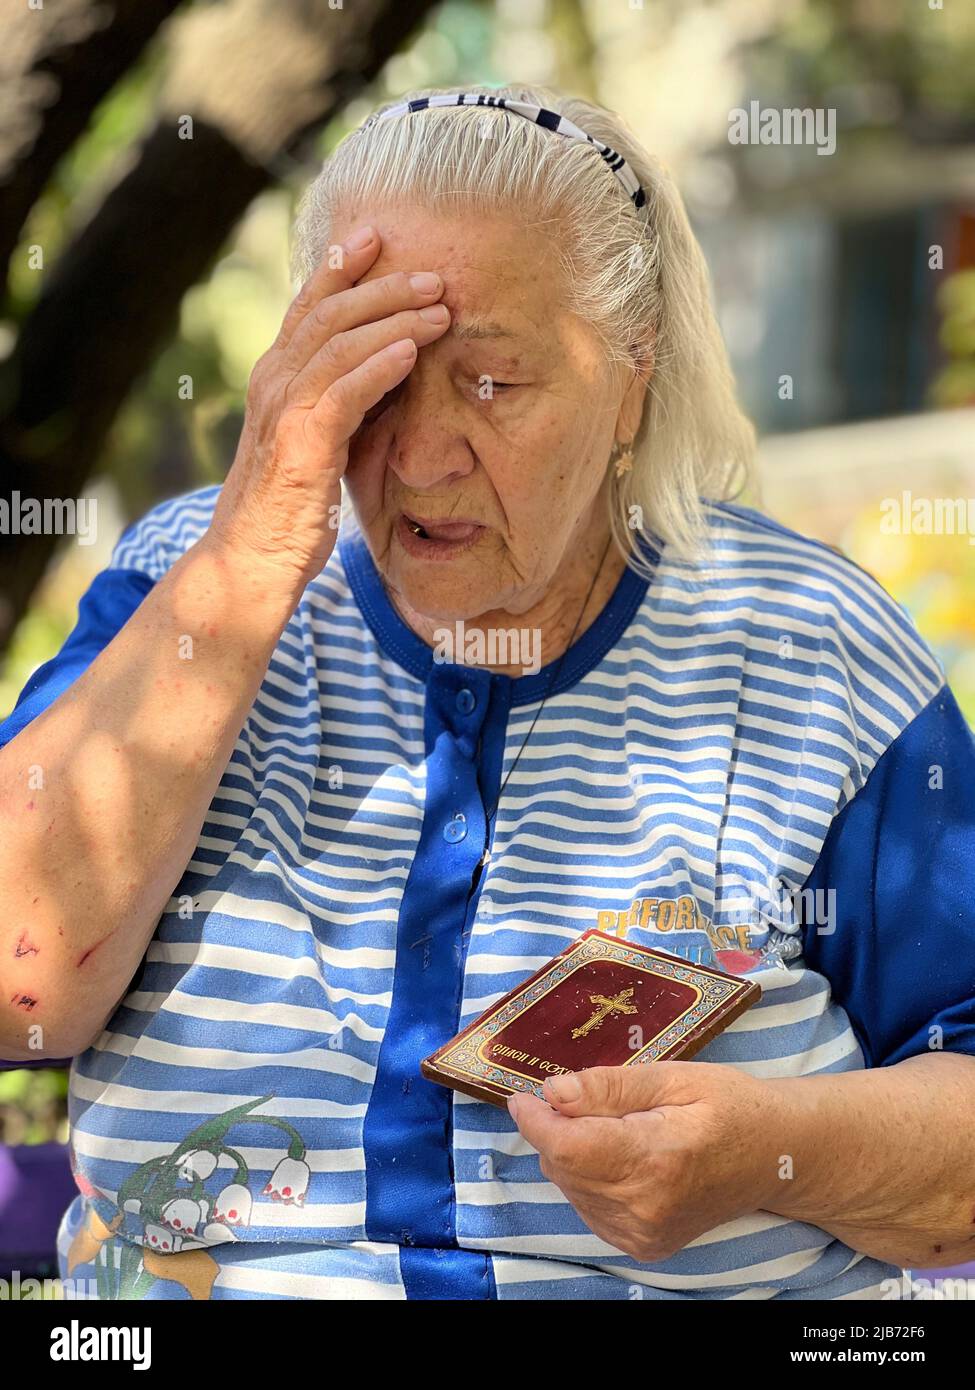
x: 298, y: 801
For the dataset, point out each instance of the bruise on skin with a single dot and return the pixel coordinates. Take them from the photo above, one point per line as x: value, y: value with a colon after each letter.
x: 92, y: 949
x: 23, y: 1001
x: 25, y: 947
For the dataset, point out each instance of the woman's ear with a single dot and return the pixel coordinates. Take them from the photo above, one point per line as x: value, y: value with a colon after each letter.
x: 634, y: 396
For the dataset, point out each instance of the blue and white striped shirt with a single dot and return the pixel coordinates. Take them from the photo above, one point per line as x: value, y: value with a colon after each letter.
x: 721, y: 749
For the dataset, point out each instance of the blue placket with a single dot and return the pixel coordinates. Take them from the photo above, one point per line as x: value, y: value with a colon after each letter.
x: 407, y: 1133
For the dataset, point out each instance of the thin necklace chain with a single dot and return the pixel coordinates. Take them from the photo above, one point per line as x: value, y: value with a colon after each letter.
x: 553, y: 680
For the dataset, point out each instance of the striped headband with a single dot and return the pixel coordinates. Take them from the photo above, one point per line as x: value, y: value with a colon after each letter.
x: 549, y: 120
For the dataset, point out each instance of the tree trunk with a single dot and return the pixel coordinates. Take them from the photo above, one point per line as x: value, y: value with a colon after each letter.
x: 257, y: 79
x: 75, y: 50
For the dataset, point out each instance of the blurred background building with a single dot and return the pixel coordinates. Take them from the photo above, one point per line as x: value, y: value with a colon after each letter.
x: 152, y: 153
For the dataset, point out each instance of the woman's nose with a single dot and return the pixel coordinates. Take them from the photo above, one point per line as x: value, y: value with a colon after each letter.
x: 429, y: 442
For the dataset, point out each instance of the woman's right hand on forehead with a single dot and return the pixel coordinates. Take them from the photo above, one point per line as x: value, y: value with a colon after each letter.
x: 341, y: 347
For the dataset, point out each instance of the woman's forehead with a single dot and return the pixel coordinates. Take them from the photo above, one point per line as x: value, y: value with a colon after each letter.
x: 493, y: 281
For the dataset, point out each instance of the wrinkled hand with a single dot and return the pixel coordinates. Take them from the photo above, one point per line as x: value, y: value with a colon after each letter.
x: 342, y: 346
x: 652, y: 1156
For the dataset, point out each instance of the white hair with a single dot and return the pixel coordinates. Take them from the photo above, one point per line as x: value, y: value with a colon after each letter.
x: 637, y: 277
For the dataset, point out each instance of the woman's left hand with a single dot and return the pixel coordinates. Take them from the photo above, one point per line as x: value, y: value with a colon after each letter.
x: 652, y: 1156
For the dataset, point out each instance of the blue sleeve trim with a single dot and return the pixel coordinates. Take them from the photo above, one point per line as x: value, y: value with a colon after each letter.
x: 899, y: 859
x: 105, y: 608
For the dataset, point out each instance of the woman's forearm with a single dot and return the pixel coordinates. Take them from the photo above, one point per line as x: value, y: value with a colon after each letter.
x: 883, y: 1159
x: 103, y: 795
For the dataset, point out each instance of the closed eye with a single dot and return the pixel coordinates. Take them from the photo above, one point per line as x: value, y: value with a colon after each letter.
x: 488, y: 387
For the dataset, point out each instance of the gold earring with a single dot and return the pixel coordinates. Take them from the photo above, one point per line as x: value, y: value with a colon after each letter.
x: 623, y: 458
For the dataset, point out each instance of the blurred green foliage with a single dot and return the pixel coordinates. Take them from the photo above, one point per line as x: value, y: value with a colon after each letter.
x: 892, y: 58
x: 955, y: 383
x: 33, y: 1106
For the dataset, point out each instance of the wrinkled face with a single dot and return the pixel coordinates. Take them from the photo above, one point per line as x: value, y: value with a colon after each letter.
x: 499, y: 437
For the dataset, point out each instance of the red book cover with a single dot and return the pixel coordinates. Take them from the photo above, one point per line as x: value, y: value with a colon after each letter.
x: 603, y: 1002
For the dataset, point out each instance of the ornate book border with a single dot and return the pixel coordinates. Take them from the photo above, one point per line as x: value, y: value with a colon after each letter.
x: 464, y: 1058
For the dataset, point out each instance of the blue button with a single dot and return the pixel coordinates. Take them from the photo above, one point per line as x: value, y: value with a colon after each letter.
x: 455, y: 830
x: 466, y: 701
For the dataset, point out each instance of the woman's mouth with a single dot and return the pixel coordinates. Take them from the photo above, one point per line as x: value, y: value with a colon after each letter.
x: 436, y: 540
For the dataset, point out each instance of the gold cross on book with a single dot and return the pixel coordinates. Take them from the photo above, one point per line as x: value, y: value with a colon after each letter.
x: 605, y: 1008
